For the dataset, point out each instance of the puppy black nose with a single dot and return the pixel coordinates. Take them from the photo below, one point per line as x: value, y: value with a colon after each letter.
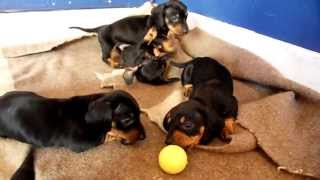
x: 168, y: 141
x: 188, y: 126
x: 125, y: 142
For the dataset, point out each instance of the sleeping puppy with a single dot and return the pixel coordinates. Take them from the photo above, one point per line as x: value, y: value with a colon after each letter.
x: 171, y: 16
x: 152, y: 71
x: 211, y: 108
x: 77, y: 123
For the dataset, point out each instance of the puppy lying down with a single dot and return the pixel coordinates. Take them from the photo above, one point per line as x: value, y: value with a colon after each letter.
x: 164, y: 98
x: 115, y: 79
x: 78, y: 123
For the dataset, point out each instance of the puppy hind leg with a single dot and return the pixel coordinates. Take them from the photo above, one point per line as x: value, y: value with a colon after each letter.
x: 106, y: 48
x: 115, y: 58
x: 26, y: 169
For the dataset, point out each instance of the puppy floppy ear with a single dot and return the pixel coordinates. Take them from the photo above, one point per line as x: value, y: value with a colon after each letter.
x: 166, y: 121
x: 187, y: 74
x: 129, y: 74
x: 157, y: 15
x: 99, y: 112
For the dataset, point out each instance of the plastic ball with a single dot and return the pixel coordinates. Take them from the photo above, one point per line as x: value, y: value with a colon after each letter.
x: 173, y: 159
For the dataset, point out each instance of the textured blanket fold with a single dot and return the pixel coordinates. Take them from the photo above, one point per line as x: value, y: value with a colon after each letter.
x: 285, y: 123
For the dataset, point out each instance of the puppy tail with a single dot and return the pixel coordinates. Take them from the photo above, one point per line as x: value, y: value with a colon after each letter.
x: 89, y: 30
x: 26, y: 169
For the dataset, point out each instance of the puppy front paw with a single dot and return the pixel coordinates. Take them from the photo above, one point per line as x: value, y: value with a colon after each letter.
x: 228, y: 130
x: 187, y: 90
x: 156, y: 52
x: 113, y: 63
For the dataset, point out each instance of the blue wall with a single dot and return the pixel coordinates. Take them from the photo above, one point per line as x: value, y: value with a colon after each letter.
x: 27, y: 5
x: 294, y: 21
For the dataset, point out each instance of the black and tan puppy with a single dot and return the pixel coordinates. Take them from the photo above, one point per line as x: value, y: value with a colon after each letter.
x: 77, y: 123
x: 130, y: 56
x: 171, y: 16
x: 152, y: 71
x: 211, y: 108
x: 134, y: 55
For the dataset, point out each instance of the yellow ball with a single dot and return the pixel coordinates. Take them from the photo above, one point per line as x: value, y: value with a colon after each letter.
x: 173, y: 159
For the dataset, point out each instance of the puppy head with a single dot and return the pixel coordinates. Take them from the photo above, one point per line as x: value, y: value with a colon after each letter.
x: 130, y: 72
x: 186, y: 124
x: 99, y: 112
x: 172, y: 14
x: 153, y: 69
x: 118, y: 110
x: 126, y: 123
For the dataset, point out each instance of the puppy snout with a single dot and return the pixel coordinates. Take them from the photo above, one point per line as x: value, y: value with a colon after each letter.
x: 126, y: 142
x: 142, y: 136
x: 168, y: 141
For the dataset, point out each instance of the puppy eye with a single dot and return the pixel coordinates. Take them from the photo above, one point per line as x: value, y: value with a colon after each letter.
x: 175, y: 18
x: 127, y: 122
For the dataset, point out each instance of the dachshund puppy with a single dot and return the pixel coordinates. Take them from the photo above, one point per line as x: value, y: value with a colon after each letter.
x: 77, y: 123
x: 211, y: 108
x: 134, y: 55
x: 141, y: 62
x: 126, y: 55
x: 171, y: 16
x: 153, y: 71
x: 131, y: 55
x: 163, y: 45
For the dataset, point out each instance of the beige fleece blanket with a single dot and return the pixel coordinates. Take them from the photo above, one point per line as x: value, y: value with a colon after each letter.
x: 281, y: 114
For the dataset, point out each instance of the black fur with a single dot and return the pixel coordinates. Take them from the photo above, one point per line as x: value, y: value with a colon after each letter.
x: 210, y: 102
x: 154, y: 72
x: 151, y: 71
x: 131, y: 30
x: 26, y: 170
x: 77, y: 123
x: 134, y: 55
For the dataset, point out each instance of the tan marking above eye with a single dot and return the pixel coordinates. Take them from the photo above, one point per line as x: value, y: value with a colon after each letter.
x: 113, y: 124
x: 182, y: 119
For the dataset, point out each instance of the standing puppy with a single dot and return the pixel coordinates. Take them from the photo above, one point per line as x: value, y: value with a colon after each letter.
x: 211, y: 108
